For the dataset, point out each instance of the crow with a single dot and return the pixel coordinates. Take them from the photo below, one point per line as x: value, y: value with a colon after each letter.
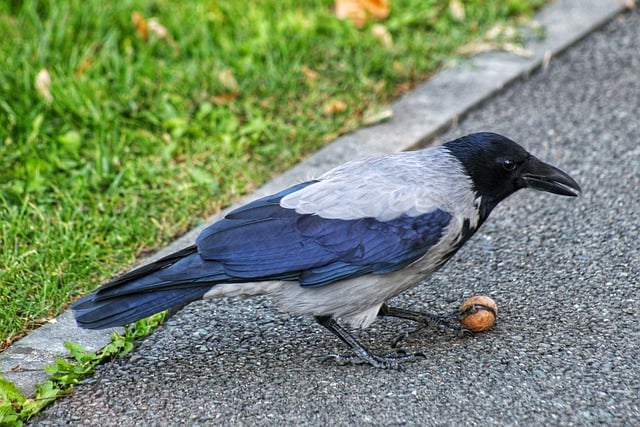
x: 339, y: 246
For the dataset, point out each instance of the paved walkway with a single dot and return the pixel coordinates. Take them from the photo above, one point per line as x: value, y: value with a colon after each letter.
x: 564, y: 272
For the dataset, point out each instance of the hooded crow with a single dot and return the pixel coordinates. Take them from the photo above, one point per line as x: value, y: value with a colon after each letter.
x: 339, y: 246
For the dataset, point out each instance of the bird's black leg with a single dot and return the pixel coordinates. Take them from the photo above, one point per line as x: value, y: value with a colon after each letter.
x: 444, y: 322
x: 362, y: 354
x: 426, y: 319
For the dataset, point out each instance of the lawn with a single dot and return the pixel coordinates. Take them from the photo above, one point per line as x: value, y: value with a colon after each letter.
x: 123, y: 124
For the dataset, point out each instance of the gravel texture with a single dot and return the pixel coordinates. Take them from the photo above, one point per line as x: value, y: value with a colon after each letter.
x: 565, y: 274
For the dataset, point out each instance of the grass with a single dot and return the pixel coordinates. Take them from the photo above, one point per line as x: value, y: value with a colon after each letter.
x: 137, y: 139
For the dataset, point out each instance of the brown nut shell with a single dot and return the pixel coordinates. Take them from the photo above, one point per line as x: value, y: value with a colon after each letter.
x: 478, y: 313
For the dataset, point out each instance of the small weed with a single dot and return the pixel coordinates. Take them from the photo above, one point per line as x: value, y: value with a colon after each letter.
x: 15, y: 408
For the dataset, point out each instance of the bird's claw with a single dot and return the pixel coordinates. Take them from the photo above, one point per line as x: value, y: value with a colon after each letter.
x: 445, y: 322
x: 393, y: 360
x: 405, y: 335
x: 441, y: 322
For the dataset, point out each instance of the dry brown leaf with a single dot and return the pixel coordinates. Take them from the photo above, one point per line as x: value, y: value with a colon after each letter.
x: 480, y: 47
x: 501, y: 31
x: 228, y: 80
x: 379, y: 9
x: 157, y: 28
x: 496, y: 38
x: 398, y: 67
x: 84, y: 66
x: 376, y: 115
x: 140, y: 24
x: 310, y: 74
x: 381, y: 33
x: 225, y: 98
x: 516, y: 49
x: 357, y: 10
x: 43, y: 85
x: 352, y: 10
x: 333, y: 107
x: 231, y: 86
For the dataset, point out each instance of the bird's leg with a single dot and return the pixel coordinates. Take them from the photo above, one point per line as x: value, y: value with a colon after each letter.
x: 444, y: 322
x: 362, y: 354
x: 425, y: 319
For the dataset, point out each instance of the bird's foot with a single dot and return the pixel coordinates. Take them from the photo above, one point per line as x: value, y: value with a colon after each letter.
x: 441, y: 322
x: 448, y: 322
x: 393, y: 360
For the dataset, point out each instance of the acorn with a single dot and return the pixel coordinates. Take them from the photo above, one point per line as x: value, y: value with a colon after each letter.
x: 478, y: 313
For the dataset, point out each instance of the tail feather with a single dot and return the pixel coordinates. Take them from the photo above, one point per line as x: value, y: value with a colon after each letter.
x: 152, y: 267
x: 175, y: 280
x: 92, y: 314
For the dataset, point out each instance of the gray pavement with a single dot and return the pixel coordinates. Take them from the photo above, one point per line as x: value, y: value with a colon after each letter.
x: 565, y: 274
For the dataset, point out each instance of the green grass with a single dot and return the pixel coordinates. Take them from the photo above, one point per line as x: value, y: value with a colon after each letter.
x: 144, y: 138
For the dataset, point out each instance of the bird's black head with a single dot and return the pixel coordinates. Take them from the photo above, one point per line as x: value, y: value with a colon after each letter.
x: 499, y: 167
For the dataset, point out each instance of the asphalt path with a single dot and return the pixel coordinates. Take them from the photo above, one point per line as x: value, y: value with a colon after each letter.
x: 564, y: 272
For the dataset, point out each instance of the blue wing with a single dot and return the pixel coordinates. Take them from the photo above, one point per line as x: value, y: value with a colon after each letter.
x: 263, y: 240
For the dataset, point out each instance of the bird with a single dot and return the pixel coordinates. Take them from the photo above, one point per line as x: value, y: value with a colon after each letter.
x: 338, y: 247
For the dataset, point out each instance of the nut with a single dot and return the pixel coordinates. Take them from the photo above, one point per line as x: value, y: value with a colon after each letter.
x: 478, y: 313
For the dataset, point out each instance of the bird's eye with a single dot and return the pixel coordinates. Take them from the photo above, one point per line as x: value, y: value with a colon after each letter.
x: 509, y: 165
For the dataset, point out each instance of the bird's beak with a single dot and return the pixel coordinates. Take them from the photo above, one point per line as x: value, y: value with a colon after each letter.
x: 544, y: 177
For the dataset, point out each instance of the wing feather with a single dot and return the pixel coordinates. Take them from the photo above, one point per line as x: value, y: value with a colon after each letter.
x: 264, y: 240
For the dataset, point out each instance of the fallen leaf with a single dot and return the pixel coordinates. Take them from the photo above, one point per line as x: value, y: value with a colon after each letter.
x: 309, y: 73
x: 498, y: 37
x: 352, y: 10
x: 501, y: 31
x: 43, y: 85
x: 40, y: 321
x: 140, y: 24
x: 381, y: 33
x: 456, y: 9
x: 83, y: 67
x: 475, y: 48
x: 225, y: 98
x: 356, y: 10
x: 376, y: 115
x: 157, y: 28
x: 480, y: 47
x: 379, y: 9
x: 228, y: 80
x: 333, y: 107
x: 516, y: 49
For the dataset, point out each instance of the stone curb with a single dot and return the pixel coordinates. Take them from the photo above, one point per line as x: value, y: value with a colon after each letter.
x: 418, y: 117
